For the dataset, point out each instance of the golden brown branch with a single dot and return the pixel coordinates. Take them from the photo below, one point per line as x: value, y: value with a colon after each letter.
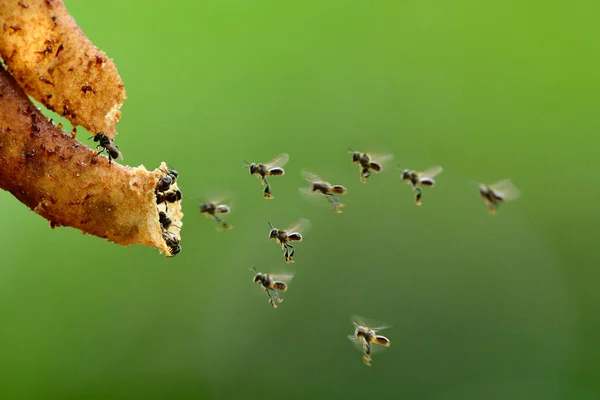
x: 55, y: 63
x: 66, y: 183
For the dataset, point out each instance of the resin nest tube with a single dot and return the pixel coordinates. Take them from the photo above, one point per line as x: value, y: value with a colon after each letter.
x: 65, y: 181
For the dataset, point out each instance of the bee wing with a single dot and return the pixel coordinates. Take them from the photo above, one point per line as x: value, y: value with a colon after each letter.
x: 309, y: 193
x: 370, y: 323
x: 381, y: 158
x: 310, y: 177
x: 358, y: 343
x: 278, y: 161
x: 218, y: 197
x: 285, y: 277
x: 299, y: 226
x: 430, y: 172
x: 506, y: 189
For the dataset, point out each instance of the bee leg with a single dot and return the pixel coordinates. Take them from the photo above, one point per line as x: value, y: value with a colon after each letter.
x: 418, y: 196
x: 292, y: 252
x: 271, y: 301
x: 277, y: 298
x: 365, y: 173
x: 367, y: 354
x: 219, y: 221
x: 335, y: 203
x: 286, y: 253
x: 267, y: 192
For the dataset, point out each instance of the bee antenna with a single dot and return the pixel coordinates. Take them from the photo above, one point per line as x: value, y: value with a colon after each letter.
x: 270, y: 225
x: 246, y: 163
x: 253, y: 270
x: 90, y: 137
x: 350, y: 148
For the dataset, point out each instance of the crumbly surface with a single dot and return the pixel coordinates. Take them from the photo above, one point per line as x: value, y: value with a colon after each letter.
x: 55, y: 63
x: 65, y: 181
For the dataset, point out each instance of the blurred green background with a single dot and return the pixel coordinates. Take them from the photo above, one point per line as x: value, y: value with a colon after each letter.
x: 482, y: 307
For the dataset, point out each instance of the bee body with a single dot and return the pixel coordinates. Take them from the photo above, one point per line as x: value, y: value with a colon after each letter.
x: 273, y: 168
x: 366, y: 337
x: 106, y: 144
x: 369, y: 162
x: 424, y: 178
x: 285, y: 237
x: 497, y: 193
x: 272, y: 285
x: 212, y: 209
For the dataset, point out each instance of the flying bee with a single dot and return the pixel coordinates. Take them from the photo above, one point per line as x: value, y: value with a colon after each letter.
x: 497, y: 193
x: 272, y: 284
x: 212, y: 209
x: 324, y: 188
x: 107, y: 145
x: 424, y: 178
x: 172, y: 242
x: 369, y: 162
x: 285, y: 237
x: 365, y: 337
x: 273, y: 168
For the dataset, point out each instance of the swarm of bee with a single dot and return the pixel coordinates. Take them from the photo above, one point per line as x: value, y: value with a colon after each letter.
x: 366, y: 335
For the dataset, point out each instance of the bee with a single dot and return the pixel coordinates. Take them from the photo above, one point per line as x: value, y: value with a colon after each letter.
x: 212, y: 209
x: 365, y: 337
x: 272, y: 284
x: 273, y: 168
x: 171, y: 196
x: 324, y: 188
x: 497, y: 193
x: 172, y: 242
x: 369, y: 162
x: 165, y: 221
x: 424, y: 178
x: 285, y: 236
x: 165, y: 182
x: 107, y: 145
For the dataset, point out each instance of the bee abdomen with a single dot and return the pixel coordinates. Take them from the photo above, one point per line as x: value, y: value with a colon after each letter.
x: 295, y: 237
x: 338, y: 189
x: 427, y: 182
x: 282, y: 287
x: 276, y: 171
x: 222, y: 209
x: 375, y: 166
x: 382, y: 340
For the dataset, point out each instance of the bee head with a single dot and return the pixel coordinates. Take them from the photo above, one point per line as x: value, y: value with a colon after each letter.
x: 273, y: 233
x: 258, y: 277
x: 355, y: 156
x: 253, y: 168
x: 405, y: 175
x: 99, y: 136
x: 173, y: 174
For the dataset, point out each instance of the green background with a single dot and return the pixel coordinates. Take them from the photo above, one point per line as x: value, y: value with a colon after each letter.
x: 481, y: 307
